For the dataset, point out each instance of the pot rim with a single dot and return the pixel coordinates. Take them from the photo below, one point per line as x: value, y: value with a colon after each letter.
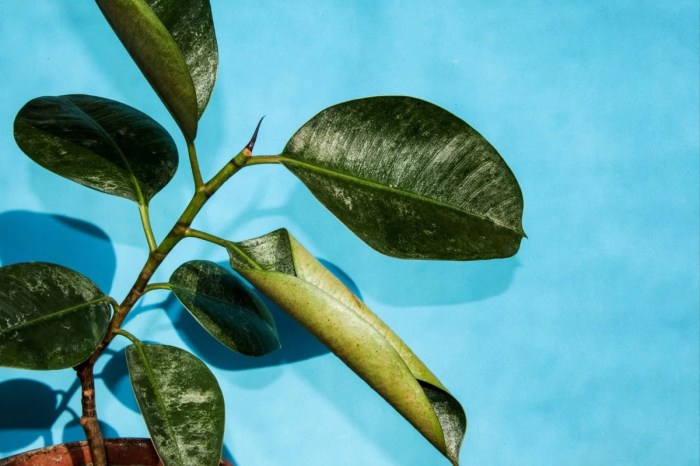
x: 78, y: 447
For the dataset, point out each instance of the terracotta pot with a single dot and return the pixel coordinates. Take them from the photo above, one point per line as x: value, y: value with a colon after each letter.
x: 120, y: 452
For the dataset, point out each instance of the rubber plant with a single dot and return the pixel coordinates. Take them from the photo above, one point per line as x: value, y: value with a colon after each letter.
x: 409, y: 178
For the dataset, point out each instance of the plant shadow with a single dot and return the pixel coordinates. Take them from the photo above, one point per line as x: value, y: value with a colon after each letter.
x: 29, y: 409
x: 30, y: 237
x: 391, y: 281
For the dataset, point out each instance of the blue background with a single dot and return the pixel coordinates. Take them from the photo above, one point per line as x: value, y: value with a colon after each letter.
x: 582, y: 349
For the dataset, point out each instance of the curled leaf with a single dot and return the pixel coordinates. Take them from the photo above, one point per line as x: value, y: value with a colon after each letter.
x: 278, y: 266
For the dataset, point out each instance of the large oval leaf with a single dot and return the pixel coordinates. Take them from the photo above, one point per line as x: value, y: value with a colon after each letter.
x: 99, y: 143
x: 174, y: 44
x: 410, y: 179
x: 51, y: 317
x: 225, y: 307
x: 278, y: 266
x: 181, y: 403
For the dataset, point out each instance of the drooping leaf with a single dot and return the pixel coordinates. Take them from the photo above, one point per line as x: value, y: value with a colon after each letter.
x: 181, y: 403
x: 51, y: 317
x: 225, y: 307
x: 410, y: 179
x: 99, y: 143
x: 278, y: 266
x: 174, y: 44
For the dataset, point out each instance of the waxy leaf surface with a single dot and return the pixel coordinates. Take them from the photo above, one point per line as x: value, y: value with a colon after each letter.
x: 410, y: 179
x: 51, y: 317
x: 278, y: 266
x: 99, y: 143
x: 181, y: 403
x: 174, y: 44
x: 225, y: 307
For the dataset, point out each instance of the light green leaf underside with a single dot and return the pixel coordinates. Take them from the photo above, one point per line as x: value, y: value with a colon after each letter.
x: 181, y: 403
x: 410, y: 179
x: 99, y: 143
x: 174, y: 44
x: 225, y: 307
x: 51, y: 317
x: 300, y: 285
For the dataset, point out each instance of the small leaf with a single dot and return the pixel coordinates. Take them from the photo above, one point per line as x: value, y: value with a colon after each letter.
x: 225, y: 307
x: 278, y: 266
x: 410, y: 179
x: 174, y: 44
x: 51, y: 317
x: 99, y: 143
x: 181, y: 403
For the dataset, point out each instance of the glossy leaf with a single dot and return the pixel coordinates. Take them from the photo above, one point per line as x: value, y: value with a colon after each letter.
x: 278, y: 266
x: 181, y: 403
x: 410, y: 179
x: 174, y: 44
x: 51, y: 317
x: 99, y: 143
x: 225, y: 307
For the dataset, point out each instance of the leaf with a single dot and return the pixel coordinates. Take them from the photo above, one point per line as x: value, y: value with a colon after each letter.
x: 410, y: 179
x: 225, y: 307
x: 181, y: 403
x: 51, y: 317
x: 174, y: 44
x: 99, y: 143
x: 278, y: 266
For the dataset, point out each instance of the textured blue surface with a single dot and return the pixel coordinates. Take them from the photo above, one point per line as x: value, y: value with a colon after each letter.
x: 583, y: 349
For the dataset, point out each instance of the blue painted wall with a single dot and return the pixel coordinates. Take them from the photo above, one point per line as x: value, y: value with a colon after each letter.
x: 582, y: 349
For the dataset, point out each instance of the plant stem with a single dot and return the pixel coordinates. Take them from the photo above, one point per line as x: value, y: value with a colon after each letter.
x: 264, y: 159
x: 191, y: 233
x: 155, y: 257
x: 194, y: 163
x: 146, y: 222
x: 127, y: 335
x: 89, y: 418
x: 156, y: 286
x: 229, y: 245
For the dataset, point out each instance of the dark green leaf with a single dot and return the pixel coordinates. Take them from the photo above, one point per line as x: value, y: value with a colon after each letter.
x: 410, y: 179
x: 51, y: 317
x: 174, y: 44
x: 278, y: 266
x: 99, y: 143
x: 181, y: 403
x: 225, y: 307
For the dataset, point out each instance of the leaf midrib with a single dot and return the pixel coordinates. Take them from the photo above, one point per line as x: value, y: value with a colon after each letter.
x: 53, y: 315
x: 103, y: 131
x: 393, y: 190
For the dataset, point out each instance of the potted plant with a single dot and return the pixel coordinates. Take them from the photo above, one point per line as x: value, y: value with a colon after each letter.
x: 410, y: 179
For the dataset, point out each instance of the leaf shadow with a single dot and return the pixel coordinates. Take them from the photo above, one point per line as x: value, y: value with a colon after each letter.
x: 391, y: 281
x: 31, y: 236
x: 29, y: 409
